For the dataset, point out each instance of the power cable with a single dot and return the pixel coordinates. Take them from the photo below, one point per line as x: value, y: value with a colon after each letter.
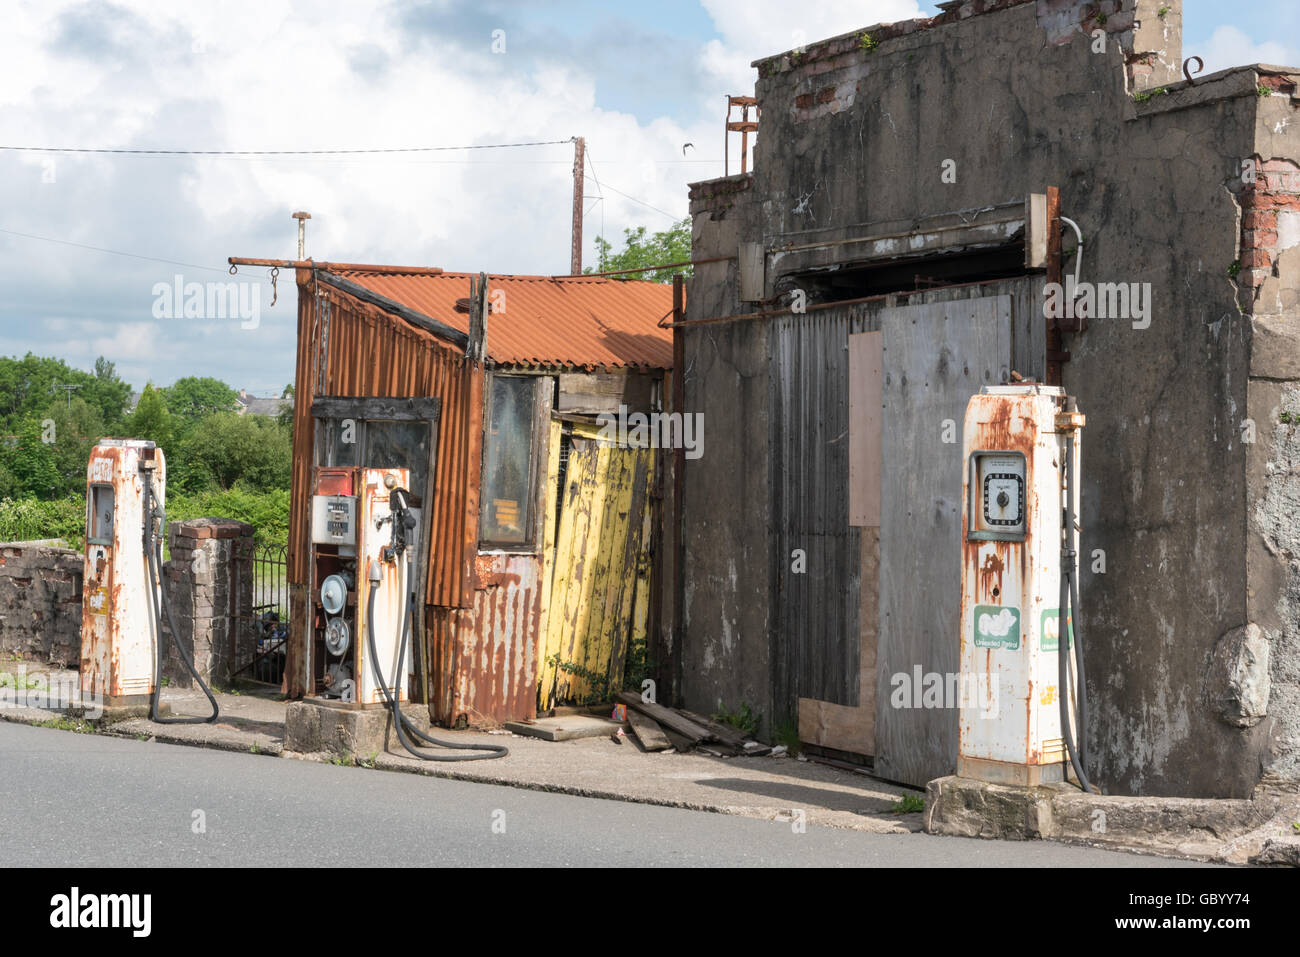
x: 343, y: 152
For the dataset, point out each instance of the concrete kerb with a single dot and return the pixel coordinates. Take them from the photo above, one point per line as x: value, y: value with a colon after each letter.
x: 1258, y: 830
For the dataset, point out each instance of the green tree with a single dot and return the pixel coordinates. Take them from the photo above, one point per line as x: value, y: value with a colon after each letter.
x: 639, y: 250
x: 27, y: 455
x: 152, y: 420
x: 78, y: 425
x: 29, y: 385
x: 195, y: 397
x: 107, y: 393
x: 251, y: 450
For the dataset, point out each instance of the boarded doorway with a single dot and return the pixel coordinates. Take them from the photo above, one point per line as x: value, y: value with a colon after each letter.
x: 936, y: 356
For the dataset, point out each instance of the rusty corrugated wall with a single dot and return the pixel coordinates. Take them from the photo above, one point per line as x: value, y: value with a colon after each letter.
x: 349, y: 348
x: 484, y: 658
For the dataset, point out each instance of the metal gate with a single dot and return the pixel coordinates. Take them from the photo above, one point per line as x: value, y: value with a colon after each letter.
x: 259, y: 633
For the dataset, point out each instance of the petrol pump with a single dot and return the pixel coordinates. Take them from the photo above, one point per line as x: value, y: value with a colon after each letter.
x: 1019, y: 583
x: 363, y: 527
x: 123, y: 602
x: 352, y: 527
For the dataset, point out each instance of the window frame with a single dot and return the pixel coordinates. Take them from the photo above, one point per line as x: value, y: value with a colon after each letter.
x: 543, y: 388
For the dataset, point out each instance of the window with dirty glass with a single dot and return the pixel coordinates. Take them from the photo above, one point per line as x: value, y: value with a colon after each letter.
x: 337, y: 441
x: 398, y: 445
x: 101, y: 515
x: 505, y: 502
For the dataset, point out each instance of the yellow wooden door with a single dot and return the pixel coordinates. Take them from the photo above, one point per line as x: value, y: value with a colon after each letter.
x: 598, y: 568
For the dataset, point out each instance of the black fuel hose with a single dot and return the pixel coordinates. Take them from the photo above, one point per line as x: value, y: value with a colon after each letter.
x: 400, y: 721
x: 1068, y: 605
x: 153, y: 551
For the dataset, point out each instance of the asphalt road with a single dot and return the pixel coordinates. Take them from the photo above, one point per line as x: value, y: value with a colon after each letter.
x: 72, y: 800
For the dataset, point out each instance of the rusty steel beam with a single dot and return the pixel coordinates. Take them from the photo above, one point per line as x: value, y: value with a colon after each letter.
x: 767, y: 314
x: 1056, y: 355
x: 337, y: 267
x: 672, y: 663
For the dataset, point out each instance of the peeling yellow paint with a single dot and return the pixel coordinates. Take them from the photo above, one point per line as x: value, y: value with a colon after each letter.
x: 599, y: 577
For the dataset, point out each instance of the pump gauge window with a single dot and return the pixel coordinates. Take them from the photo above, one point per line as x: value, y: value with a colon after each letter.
x: 997, y: 496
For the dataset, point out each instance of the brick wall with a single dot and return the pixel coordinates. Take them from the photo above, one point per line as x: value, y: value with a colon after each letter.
x: 40, y: 603
x: 208, y: 587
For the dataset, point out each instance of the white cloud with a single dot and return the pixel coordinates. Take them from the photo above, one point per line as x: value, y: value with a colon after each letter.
x: 277, y: 75
x: 759, y: 28
x: 1231, y: 47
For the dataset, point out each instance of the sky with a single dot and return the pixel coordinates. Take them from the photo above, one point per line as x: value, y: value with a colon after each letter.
x: 638, y: 81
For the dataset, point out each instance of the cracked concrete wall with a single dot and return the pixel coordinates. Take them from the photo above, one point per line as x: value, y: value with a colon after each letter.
x: 853, y: 140
x: 1269, y: 290
x: 726, y: 604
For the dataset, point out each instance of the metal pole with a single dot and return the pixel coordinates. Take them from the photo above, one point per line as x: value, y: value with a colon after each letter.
x: 302, y: 218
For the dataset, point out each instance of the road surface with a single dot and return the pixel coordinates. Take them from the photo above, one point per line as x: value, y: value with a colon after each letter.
x: 70, y: 800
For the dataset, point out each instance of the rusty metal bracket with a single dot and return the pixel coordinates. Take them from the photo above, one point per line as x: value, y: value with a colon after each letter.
x: 1200, y: 66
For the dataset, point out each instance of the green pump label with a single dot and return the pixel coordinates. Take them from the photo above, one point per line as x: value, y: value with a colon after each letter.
x: 1050, y: 630
x: 997, y: 626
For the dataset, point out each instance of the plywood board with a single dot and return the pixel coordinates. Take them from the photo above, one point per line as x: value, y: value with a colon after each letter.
x: 838, y: 726
x: 936, y: 356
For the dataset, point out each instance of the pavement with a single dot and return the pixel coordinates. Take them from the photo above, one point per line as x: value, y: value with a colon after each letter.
x: 78, y: 800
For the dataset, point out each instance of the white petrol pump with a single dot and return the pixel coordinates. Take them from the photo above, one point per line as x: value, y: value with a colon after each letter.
x: 1022, y: 714
x: 123, y: 603
x: 361, y: 583
x: 363, y: 527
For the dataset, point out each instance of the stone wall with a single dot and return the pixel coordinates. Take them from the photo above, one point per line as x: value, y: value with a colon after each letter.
x: 40, y: 603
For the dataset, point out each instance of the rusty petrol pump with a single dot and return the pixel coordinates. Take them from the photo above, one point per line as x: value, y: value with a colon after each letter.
x: 363, y: 527
x: 123, y: 601
x: 1023, y: 709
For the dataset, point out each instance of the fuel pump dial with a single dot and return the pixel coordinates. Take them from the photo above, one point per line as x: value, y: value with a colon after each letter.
x: 997, y: 496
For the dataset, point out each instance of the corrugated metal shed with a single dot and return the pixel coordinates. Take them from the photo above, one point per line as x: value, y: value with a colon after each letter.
x: 350, y: 348
x: 540, y: 321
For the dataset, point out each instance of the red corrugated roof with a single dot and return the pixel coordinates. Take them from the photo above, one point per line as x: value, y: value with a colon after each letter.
x: 584, y: 322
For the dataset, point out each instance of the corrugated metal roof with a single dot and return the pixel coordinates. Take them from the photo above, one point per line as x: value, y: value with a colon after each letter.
x: 583, y: 322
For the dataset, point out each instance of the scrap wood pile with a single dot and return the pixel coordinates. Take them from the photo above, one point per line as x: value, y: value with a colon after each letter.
x: 659, y: 728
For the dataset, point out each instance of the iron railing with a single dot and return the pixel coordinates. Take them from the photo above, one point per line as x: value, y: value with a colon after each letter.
x: 260, y: 623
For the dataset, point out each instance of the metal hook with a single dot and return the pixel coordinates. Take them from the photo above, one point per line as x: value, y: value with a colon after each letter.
x: 275, y: 273
x: 233, y: 269
x: 1200, y: 65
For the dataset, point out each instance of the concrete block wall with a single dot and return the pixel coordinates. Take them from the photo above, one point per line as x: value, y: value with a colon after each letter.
x: 1196, y: 520
x: 40, y: 603
x: 209, y: 582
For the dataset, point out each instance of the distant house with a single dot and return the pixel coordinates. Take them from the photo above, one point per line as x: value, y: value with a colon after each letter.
x: 245, y: 404
x: 252, y: 405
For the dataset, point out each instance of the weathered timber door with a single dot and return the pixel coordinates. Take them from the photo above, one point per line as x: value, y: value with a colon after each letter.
x: 598, y: 574
x: 935, y: 357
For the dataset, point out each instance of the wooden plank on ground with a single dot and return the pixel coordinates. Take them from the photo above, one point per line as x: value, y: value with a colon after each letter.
x: 647, y: 731
x: 666, y: 717
x: 722, y: 732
